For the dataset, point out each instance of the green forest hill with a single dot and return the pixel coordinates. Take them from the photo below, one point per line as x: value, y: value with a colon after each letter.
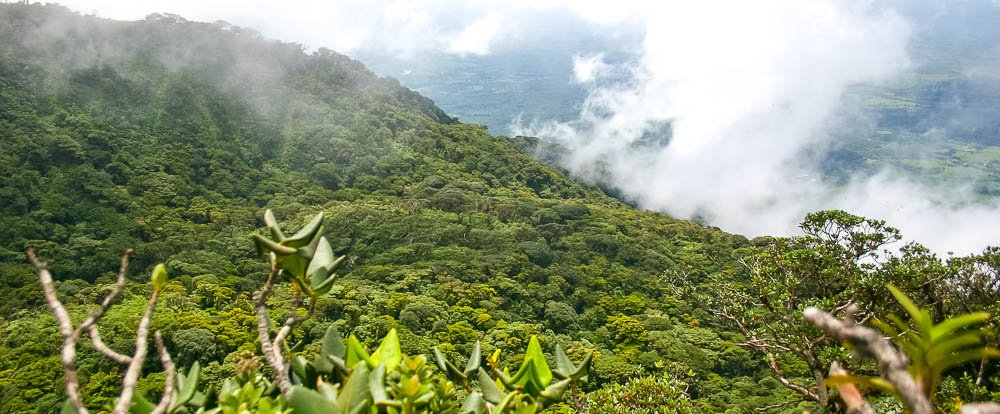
x: 172, y: 138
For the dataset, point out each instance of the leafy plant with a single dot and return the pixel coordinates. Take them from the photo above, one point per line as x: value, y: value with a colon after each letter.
x: 931, y: 348
x: 304, y: 258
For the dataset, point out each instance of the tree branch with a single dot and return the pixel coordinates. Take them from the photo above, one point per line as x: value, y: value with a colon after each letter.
x: 773, y: 363
x: 171, y: 370
x: 141, y: 347
x: 69, y: 335
x: 272, y: 354
x: 95, y: 338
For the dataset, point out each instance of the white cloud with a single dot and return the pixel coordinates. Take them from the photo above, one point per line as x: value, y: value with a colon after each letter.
x: 746, y: 88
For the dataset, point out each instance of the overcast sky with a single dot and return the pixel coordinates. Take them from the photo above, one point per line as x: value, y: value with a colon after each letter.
x: 746, y: 86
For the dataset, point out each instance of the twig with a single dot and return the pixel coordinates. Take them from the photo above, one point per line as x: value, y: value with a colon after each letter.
x: 272, y: 354
x: 141, y: 347
x: 95, y: 338
x: 773, y: 406
x: 69, y: 335
x: 892, y: 364
x: 168, y: 366
x: 773, y: 363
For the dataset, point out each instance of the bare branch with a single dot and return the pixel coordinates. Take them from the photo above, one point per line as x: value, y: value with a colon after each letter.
x: 168, y: 366
x: 892, y: 364
x: 96, y: 315
x: 805, y: 392
x: 272, y: 354
x: 69, y: 335
x: 141, y: 347
x: 95, y: 338
x: 770, y: 407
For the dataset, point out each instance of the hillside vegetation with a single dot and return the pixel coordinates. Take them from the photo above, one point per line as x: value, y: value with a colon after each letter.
x: 172, y: 137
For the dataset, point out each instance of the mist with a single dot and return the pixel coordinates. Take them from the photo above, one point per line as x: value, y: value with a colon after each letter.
x: 751, y: 97
x: 722, y: 112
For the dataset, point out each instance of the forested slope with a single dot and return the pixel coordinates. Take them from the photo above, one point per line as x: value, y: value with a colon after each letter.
x: 171, y: 137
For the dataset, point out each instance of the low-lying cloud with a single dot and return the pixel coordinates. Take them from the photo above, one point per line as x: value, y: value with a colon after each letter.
x: 723, y: 114
x: 750, y: 91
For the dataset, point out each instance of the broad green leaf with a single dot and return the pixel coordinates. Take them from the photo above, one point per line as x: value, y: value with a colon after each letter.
x: 555, y: 391
x: 356, y: 353
x: 69, y: 408
x: 542, y: 370
x: 491, y: 392
x: 332, y: 343
x: 273, y: 225
x: 950, y: 345
x: 304, y: 400
x: 529, y: 408
x: 355, y: 391
x: 921, y: 317
x: 388, y: 352
x: 473, y: 404
x: 563, y: 365
x: 582, y: 372
x: 299, y: 369
x: 376, y: 385
x: 321, y: 262
x: 474, y: 360
x: 962, y: 357
x: 306, y: 233
x: 140, y: 405
x: 956, y: 323
x: 873, y: 383
x: 187, y: 386
x: 265, y: 245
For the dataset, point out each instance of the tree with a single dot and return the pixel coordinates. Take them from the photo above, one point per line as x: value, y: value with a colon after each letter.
x: 836, y: 264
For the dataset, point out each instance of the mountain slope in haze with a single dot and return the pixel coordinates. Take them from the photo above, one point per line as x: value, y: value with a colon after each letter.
x: 172, y: 137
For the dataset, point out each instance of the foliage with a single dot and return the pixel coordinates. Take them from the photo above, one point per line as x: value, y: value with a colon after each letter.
x: 646, y: 394
x: 170, y: 136
x: 932, y: 348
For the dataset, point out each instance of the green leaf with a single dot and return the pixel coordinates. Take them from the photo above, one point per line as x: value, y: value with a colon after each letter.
x: 304, y: 400
x: 306, y: 233
x: 962, y: 357
x: 265, y: 245
x: 949, y: 345
x: 376, y: 385
x: 563, y: 365
x: 491, y: 392
x: 388, y: 352
x: 69, y: 408
x: 140, y: 405
x: 921, y: 317
x: 159, y: 276
x: 356, y: 353
x: 273, y: 225
x: 355, y: 391
x: 299, y: 369
x: 956, y: 323
x: 534, y: 353
x: 322, y: 260
x: 555, y: 391
x: 332, y: 343
x: 474, y: 360
x: 582, y: 372
x: 473, y: 404
x: 187, y: 386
